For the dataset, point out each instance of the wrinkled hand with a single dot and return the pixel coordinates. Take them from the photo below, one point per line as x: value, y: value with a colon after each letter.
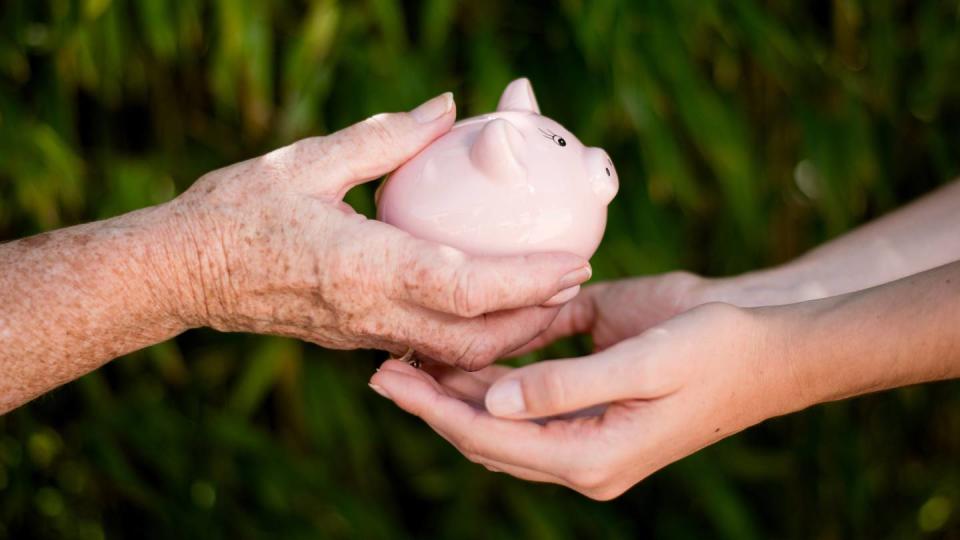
x: 270, y: 247
x: 680, y: 385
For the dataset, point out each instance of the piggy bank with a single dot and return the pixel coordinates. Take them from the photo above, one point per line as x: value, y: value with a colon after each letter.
x: 505, y: 183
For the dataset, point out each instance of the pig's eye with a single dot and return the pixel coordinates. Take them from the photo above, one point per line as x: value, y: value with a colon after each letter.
x: 553, y: 137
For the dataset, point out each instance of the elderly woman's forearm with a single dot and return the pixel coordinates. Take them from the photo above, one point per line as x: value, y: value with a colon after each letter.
x: 268, y: 246
x: 76, y: 298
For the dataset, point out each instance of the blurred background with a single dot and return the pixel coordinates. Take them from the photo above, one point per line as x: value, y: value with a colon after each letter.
x: 744, y: 132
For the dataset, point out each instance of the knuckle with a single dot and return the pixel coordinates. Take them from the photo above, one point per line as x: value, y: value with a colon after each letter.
x: 434, y: 276
x: 466, y: 300
x: 486, y: 351
x: 474, y: 354
x: 377, y: 128
x: 373, y: 137
x: 461, y: 358
x: 550, y: 391
x: 469, y: 364
x: 311, y: 151
x: 277, y: 164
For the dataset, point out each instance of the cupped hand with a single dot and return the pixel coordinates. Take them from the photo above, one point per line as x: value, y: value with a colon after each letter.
x: 677, y: 387
x: 615, y: 310
x: 269, y: 246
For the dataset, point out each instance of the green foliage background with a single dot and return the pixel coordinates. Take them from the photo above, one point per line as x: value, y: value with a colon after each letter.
x: 744, y: 132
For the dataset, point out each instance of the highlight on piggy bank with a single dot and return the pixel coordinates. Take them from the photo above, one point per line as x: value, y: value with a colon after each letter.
x: 504, y: 183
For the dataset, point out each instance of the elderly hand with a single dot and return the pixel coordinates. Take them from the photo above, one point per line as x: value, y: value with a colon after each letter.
x: 270, y: 247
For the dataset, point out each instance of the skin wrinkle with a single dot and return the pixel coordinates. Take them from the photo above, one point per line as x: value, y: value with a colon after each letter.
x: 193, y: 257
x: 165, y: 273
x: 36, y: 241
x: 260, y: 247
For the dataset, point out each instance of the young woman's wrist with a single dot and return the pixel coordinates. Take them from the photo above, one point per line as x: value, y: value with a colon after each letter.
x: 792, y: 374
x: 769, y: 287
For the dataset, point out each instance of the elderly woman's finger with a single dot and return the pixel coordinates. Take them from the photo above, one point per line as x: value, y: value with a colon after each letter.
x: 444, y: 279
x: 329, y: 166
x: 470, y: 344
x: 578, y: 316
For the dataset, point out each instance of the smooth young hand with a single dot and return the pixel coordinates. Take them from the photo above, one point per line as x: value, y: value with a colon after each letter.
x: 665, y: 394
x: 601, y: 423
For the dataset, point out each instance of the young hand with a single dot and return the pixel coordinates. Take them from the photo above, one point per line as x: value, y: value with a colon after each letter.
x: 681, y: 385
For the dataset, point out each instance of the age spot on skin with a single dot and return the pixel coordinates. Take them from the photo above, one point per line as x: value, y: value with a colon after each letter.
x: 35, y: 241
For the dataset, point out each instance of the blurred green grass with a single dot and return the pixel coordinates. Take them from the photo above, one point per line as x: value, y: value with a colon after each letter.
x: 744, y: 133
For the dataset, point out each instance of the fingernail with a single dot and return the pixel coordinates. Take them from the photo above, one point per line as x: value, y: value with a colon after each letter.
x: 576, y: 277
x: 433, y: 109
x: 379, y: 390
x: 505, y: 398
x: 563, y: 296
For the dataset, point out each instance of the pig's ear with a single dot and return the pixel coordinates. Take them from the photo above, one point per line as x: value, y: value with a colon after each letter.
x: 495, y: 152
x: 518, y: 96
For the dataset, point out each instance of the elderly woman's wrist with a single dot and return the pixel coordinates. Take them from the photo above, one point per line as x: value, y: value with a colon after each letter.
x: 184, y: 265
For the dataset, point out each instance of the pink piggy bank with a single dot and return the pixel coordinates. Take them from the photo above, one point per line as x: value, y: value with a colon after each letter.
x: 505, y: 183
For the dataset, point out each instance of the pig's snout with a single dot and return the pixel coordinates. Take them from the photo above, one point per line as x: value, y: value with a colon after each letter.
x: 602, y: 174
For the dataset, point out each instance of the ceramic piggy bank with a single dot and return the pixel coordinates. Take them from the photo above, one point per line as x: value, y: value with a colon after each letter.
x: 504, y: 183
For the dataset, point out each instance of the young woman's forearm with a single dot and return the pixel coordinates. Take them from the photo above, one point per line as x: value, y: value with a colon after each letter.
x: 75, y: 298
x: 922, y: 235
x: 901, y: 333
